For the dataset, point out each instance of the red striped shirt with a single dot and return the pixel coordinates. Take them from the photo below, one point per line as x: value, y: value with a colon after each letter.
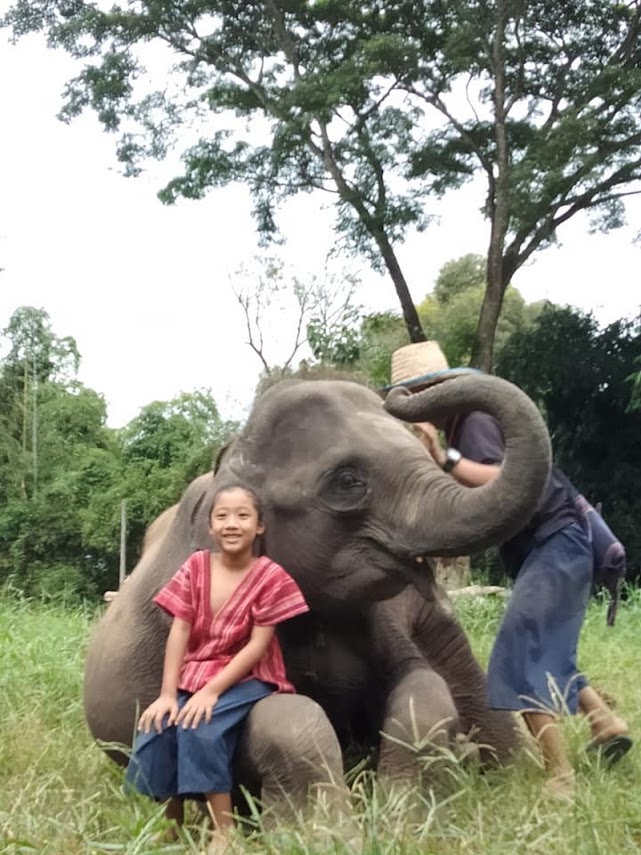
x: 266, y: 596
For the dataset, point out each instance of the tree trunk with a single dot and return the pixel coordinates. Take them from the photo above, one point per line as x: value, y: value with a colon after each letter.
x: 410, y: 315
x: 483, y: 350
x: 499, y: 208
x: 452, y: 573
x: 376, y: 229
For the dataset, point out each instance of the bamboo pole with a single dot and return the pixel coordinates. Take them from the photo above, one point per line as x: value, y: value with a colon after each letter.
x: 123, y: 542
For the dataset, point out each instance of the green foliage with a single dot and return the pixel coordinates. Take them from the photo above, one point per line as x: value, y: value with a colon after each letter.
x: 68, y: 797
x: 63, y: 472
x: 162, y: 450
x: 449, y: 314
x: 339, y: 347
x: 453, y: 321
x: 572, y: 127
x: 381, y: 334
x: 312, y: 78
x: 578, y: 374
x: 459, y: 275
x: 35, y: 351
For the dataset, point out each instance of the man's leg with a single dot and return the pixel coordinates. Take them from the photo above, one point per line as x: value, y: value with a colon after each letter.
x: 544, y: 727
x: 604, y: 724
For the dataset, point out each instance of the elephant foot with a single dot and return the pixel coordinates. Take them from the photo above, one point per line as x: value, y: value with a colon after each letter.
x: 419, y: 728
x: 467, y: 752
x: 290, y: 751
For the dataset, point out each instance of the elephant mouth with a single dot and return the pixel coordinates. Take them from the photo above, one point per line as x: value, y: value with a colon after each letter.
x: 417, y: 571
x: 397, y: 568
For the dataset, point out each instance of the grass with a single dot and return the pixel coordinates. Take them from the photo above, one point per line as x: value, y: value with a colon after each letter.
x: 59, y: 794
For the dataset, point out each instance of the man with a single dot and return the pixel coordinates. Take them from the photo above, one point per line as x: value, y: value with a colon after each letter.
x: 532, y: 668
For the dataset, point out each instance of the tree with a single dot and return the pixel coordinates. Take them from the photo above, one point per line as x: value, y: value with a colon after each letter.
x: 379, y: 105
x: 577, y: 373
x: 551, y: 119
x: 61, y: 539
x: 34, y: 357
x: 167, y: 445
x: 313, y: 77
x: 321, y: 312
x: 450, y: 313
x: 635, y: 383
x: 459, y: 275
x: 41, y: 541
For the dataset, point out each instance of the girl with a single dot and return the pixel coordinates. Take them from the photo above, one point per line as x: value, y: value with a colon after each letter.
x: 221, y: 656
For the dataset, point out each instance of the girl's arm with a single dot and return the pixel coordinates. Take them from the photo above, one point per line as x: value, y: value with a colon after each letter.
x: 202, y: 702
x: 243, y: 661
x: 175, y: 650
x: 166, y: 703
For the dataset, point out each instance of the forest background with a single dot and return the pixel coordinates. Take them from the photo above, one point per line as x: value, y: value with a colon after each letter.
x: 64, y: 472
x: 380, y: 108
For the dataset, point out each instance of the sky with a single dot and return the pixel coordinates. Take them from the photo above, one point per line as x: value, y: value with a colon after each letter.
x: 147, y: 290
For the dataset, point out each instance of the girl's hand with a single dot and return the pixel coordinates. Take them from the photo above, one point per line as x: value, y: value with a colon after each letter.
x: 155, y: 713
x: 200, y: 706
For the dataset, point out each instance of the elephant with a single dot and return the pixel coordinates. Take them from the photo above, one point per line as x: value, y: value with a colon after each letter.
x: 355, y: 510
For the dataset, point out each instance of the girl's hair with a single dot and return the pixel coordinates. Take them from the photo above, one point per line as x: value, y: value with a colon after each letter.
x: 237, y: 485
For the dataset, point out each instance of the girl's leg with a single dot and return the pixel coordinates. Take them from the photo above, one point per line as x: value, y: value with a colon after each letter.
x: 220, y: 809
x: 175, y: 810
x: 175, y: 813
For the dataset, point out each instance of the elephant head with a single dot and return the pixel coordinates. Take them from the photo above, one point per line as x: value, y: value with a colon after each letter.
x: 355, y: 506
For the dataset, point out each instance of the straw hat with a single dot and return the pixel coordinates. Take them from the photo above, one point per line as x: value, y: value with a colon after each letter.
x: 417, y: 366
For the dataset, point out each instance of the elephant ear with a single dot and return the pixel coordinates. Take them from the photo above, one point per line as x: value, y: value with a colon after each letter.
x: 224, y: 452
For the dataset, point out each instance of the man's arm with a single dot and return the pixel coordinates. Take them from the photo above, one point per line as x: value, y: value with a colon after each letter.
x: 467, y: 472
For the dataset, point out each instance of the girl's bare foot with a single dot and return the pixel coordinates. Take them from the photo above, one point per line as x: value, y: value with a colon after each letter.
x: 167, y: 835
x: 218, y: 844
x: 175, y: 814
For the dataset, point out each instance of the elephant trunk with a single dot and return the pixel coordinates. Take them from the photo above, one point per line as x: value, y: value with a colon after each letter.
x: 458, y: 520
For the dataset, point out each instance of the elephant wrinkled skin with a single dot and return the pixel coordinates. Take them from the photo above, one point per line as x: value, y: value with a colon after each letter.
x: 354, y: 508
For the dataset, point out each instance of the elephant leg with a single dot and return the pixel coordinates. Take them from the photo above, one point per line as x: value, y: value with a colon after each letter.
x: 420, y: 715
x: 290, y: 756
x: 441, y: 639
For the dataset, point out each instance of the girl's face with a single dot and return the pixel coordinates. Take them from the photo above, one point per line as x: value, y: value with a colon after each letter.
x: 234, y: 523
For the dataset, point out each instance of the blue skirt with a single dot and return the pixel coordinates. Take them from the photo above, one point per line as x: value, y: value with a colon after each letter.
x: 533, y: 662
x: 192, y: 762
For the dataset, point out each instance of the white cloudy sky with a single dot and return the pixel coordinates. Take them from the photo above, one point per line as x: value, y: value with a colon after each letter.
x: 145, y: 289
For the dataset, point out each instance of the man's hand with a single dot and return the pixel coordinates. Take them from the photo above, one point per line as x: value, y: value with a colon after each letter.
x: 200, y: 706
x: 428, y: 435
x: 155, y: 713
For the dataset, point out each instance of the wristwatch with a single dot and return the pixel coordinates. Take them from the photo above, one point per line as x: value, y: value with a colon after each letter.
x: 452, y: 457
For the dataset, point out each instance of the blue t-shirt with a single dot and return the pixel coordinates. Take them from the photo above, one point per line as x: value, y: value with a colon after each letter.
x: 478, y: 436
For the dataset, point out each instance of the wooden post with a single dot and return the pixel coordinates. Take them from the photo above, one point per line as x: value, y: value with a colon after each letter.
x: 123, y: 542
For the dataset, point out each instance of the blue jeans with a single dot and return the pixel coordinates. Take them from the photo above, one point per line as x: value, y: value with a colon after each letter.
x: 533, y: 662
x: 193, y: 762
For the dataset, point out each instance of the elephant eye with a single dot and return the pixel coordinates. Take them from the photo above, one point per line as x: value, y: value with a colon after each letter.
x: 345, y: 489
x: 347, y: 480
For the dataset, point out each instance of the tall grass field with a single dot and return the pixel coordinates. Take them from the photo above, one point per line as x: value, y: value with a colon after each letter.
x: 60, y: 795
